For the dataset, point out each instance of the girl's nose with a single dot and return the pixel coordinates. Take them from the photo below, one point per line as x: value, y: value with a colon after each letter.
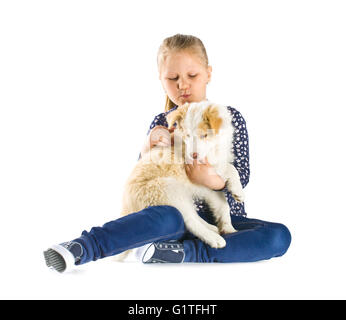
x: 183, y: 84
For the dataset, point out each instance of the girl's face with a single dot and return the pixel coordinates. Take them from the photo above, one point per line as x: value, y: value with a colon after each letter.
x: 184, y: 77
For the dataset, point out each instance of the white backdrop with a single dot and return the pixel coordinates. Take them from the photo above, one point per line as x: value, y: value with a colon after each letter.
x: 78, y: 90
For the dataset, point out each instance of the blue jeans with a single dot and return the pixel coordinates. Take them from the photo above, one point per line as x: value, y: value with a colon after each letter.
x: 255, y: 239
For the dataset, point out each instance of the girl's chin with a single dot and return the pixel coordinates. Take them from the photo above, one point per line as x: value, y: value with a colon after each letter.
x: 190, y: 99
x: 183, y: 100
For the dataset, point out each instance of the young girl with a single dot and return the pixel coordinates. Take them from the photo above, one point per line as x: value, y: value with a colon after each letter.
x: 184, y: 72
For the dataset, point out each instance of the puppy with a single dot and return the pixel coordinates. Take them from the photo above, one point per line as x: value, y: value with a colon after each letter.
x: 202, y: 130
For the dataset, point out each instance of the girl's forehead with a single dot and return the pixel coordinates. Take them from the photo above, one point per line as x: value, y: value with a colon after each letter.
x: 178, y: 61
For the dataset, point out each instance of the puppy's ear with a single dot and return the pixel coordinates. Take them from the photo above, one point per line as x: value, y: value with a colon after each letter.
x: 212, y: 118
x: 177, y: 116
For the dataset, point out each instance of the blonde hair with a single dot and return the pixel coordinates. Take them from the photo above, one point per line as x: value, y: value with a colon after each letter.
x: 177, y: 43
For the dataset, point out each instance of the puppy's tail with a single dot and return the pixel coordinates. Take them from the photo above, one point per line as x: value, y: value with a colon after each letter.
x: 121, y: 256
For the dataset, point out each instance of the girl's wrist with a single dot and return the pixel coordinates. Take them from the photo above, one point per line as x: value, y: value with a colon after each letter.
x: 219, y: 187
x: 222, y: 188
x: 217, y: 183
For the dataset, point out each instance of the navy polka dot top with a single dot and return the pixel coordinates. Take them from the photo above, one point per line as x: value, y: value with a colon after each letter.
x: 240, y: 151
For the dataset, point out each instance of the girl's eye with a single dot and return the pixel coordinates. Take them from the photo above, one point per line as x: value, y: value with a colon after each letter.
x: 176, y: 78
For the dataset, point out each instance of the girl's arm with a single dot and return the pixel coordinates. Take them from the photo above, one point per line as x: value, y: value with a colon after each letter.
x: 204, y: 174
x: 240, y: 146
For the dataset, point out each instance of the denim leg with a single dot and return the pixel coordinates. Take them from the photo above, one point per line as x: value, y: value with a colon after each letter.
x: 154, y: 223
x: 255, y: 240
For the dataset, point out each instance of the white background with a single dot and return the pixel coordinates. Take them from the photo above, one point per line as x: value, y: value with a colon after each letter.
x: 78, y: 90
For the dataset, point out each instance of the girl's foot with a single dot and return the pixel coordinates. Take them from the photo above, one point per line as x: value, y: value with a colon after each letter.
x: 164, y: 252
x: 63, y: 257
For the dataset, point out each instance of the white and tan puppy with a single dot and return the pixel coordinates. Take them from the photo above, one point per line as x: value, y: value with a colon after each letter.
x: 203, y: 130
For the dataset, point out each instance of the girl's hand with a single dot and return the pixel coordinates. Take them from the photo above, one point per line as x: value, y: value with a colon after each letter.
x: 204, y: 174
x: 161, y: 136
x: 158, y: 136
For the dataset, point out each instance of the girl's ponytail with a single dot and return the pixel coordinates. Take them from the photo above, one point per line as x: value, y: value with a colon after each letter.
x: 169, y: 104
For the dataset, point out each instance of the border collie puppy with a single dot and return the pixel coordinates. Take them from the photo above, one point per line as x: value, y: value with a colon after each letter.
x: 202, y: 130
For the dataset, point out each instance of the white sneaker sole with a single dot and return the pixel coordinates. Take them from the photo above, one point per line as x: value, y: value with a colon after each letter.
x: 59, y: 258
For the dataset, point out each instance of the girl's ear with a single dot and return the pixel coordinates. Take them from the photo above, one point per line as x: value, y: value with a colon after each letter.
x: 209, y: 71
x: 177, y: 116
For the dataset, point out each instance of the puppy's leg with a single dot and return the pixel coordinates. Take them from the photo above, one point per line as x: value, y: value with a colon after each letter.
x: 233, y: 183
x: 181, y: 198
x: 121, y: 256
x: 211, y: 227
x: 198, y: 227
x: 218, y: 205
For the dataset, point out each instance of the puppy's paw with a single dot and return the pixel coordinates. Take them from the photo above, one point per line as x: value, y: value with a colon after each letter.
x: 238, y: 195
x: 215, y: 241
x: 226, y: 228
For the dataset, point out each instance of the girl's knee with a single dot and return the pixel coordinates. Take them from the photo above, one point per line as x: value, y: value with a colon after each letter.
x: 280, y: 239
x: 167, y: 218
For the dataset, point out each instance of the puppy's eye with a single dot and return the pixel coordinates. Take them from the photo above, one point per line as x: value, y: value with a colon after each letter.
x: 187, y: 136
x: 203, y: 136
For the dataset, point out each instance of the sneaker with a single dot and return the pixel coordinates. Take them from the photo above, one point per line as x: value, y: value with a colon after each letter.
x: 164, y: 252
x: 62, y: 257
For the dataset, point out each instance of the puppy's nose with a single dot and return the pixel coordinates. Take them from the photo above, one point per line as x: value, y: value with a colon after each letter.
x: 194, y: 155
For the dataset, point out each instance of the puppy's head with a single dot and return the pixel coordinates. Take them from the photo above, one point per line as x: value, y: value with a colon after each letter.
x: 199, y: 125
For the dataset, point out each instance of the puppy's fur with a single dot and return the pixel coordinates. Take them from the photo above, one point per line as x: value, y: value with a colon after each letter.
x: 202, y: 130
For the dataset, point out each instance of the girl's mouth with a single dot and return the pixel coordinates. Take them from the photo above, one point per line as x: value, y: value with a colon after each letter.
x: 185, y: 96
